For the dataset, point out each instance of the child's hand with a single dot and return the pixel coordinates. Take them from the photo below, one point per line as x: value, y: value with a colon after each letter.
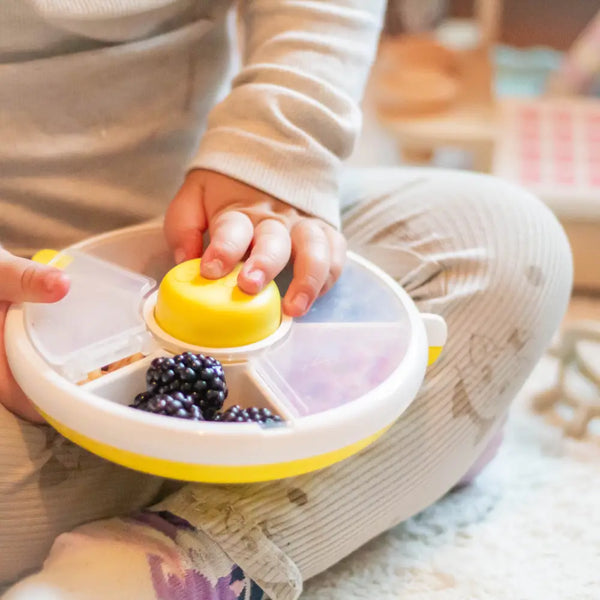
x: 23, y: 281
x: 241, y: 218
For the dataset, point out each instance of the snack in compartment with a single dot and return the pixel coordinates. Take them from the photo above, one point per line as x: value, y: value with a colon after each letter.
x: 111, y: 367
x: 192, y: 386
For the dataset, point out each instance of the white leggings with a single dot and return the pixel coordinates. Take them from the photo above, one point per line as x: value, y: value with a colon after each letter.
x: 486, y: 255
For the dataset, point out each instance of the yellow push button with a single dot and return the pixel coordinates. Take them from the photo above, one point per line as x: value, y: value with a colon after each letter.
x: 214, y: 313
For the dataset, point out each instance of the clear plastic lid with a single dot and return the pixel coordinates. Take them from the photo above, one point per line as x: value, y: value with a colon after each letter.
x: 359, y: 296
x: 349, y: 343
x: 98, y: 322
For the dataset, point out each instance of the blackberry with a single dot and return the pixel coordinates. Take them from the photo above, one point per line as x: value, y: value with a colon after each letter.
x: 237, y: 414
x: 141, y: 399
x: 176, y: 404
x: 195, y: 375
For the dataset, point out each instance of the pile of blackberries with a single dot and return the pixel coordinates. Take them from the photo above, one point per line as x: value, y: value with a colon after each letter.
x: 192, y: 386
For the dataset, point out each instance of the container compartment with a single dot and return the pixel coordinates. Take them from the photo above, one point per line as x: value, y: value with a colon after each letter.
x: 323, y: 366
x: 123, y: 385
x: 98, y: 322
x: 245, y: 391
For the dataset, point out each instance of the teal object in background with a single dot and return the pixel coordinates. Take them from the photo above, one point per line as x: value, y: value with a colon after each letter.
x: 523, y: 73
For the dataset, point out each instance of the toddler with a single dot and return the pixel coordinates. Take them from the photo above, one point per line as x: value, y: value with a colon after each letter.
x: 110, y: 109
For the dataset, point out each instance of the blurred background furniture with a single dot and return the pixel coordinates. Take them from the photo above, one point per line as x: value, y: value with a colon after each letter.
x: 552, y: 147
x: 445, y: 78
x: 434, y: 88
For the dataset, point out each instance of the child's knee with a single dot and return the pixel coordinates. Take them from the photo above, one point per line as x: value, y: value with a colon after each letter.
x: 93, y: 562
x: 528, y: 278
x: 510, y: 264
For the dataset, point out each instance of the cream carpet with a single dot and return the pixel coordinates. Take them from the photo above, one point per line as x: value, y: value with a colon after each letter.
x: 527, y: 529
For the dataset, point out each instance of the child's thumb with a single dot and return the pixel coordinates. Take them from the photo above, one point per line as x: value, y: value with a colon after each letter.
x: 23, y: 280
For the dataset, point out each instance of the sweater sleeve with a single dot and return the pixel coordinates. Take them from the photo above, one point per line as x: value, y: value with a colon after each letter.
x: 293, y: 114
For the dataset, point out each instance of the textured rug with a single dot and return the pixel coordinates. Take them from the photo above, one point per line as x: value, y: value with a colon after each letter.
x: 527, y: 529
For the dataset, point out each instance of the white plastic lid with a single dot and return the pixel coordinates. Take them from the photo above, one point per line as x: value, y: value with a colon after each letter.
x: 98, y: 322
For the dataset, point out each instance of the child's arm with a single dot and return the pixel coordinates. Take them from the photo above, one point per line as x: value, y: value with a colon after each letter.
x: 293, y: 112
x: 290, y: 119
x: 23, y: 281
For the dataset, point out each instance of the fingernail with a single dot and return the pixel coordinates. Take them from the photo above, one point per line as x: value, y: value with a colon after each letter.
x: 179, y: 255
x: 213, y: 268
x: 300, y: 302
x: 257, y: 276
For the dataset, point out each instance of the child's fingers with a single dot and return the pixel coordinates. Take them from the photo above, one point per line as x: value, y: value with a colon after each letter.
x: 311, y: 266
x: 230, y: 237
x: 23, y: 280
x: 270, y: 253
x: 337, y: 250
x: 185, y: 220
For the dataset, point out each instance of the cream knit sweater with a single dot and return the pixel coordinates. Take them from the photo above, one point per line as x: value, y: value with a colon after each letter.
x: 104, y: 104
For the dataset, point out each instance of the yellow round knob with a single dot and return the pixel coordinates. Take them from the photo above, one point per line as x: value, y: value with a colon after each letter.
x: 214, y: 313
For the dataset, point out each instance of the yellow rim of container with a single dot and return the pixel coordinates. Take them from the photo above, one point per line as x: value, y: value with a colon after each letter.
x: 211, y: 473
